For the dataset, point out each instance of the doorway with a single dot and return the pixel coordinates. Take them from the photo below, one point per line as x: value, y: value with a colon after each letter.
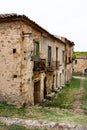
x: 36, y: 92
x: 60, y: 79
x: 45, y: 88
x: 56, y: 80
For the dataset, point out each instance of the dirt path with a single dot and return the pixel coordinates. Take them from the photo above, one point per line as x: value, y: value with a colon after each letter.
x: 42, y: 125
x: 77, y: 103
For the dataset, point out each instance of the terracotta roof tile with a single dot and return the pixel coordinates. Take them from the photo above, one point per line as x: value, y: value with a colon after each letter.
x: 7, y: 15
x: 23, y: 17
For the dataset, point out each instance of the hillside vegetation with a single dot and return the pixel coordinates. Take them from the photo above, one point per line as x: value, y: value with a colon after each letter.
x: 80, y: 53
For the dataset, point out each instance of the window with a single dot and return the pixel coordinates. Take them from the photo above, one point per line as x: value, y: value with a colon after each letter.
x: 56, y: 53
x: 36, y: 48
x: 36, y: 66
x: 62, y: 56
x: 49, y: 55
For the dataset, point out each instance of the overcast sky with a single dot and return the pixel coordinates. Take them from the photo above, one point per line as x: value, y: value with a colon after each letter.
x: 66, y: 18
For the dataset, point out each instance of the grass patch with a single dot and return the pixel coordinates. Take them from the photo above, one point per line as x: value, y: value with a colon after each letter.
x: 65, y: 97
x: 84, y: 97
x: 78, y: 53
x: 7, y: 110
x: 3, y: 126
x: 15, y: 127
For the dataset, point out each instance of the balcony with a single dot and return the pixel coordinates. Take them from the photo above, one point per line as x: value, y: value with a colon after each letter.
x: 54, y: 65
x: 42, y: 64
x: 35, y: 58
x: 39, y: 65
x: 49, y: 68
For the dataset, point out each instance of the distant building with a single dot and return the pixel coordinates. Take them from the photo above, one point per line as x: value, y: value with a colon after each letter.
x: 80, y: 64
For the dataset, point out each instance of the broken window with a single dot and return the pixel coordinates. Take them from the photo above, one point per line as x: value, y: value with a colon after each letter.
x: 36, y: 66
x: 56, y: 53
x: 49, y: 55
x: 63, y: 56
x: 36, y: 48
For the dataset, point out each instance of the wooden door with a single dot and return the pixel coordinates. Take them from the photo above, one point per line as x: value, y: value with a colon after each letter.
x: 36, y: 92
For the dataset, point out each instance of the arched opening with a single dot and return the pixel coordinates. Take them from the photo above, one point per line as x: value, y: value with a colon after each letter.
x: 45, y: 88
x: 85, y: 71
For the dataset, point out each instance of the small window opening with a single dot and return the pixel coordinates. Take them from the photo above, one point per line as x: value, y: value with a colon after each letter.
x: 14, y: 76
x: 14, y: 50
x: 25, y: 58
x: 24, y: 51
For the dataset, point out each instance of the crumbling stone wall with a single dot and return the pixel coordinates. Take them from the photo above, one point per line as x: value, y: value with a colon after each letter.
x: 10, y: 58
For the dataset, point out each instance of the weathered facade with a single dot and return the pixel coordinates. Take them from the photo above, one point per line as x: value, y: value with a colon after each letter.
x: 33, y: 61
x: 69, y: 47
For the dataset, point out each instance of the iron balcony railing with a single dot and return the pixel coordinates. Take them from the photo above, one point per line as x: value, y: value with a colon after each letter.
x: 54, y: 65
x: 40, y: 65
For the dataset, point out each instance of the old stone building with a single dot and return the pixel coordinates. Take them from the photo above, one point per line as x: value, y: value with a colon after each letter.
x: 80, y: 64
x: 33, y: 61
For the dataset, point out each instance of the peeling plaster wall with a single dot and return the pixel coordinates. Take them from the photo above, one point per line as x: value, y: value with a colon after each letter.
x: 46, y: 41
x: 61, y: 58
x: 69, y: 66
